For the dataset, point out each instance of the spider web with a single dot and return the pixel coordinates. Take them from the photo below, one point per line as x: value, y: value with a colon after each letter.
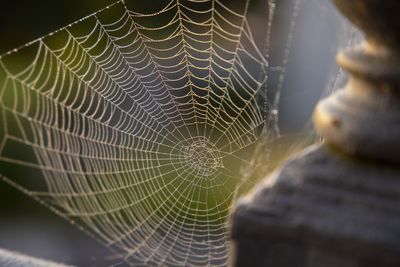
x: 140, y: 125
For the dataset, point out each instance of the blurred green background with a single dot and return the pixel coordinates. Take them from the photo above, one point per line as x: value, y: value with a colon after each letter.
x: 27, y: 226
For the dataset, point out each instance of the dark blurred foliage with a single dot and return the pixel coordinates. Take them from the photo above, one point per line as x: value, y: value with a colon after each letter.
x: 22, y: 21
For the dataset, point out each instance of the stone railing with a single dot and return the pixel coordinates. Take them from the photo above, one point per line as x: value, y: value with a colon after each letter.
x: 14, y: 259
x: 338, y: 204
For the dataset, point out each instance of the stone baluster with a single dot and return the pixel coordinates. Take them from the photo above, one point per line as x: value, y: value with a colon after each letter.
x: 338, y: 204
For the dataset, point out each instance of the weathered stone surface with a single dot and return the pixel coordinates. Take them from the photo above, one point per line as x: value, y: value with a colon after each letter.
x: 322, y: 208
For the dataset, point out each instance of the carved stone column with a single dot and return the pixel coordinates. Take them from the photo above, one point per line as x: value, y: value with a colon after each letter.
x: 338, y: 204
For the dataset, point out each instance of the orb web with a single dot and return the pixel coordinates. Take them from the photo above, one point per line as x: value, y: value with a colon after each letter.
x: 198, y: 156
x: 136, y: 125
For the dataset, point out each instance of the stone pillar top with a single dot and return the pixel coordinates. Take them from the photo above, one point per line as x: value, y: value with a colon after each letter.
x: 363, y: 119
